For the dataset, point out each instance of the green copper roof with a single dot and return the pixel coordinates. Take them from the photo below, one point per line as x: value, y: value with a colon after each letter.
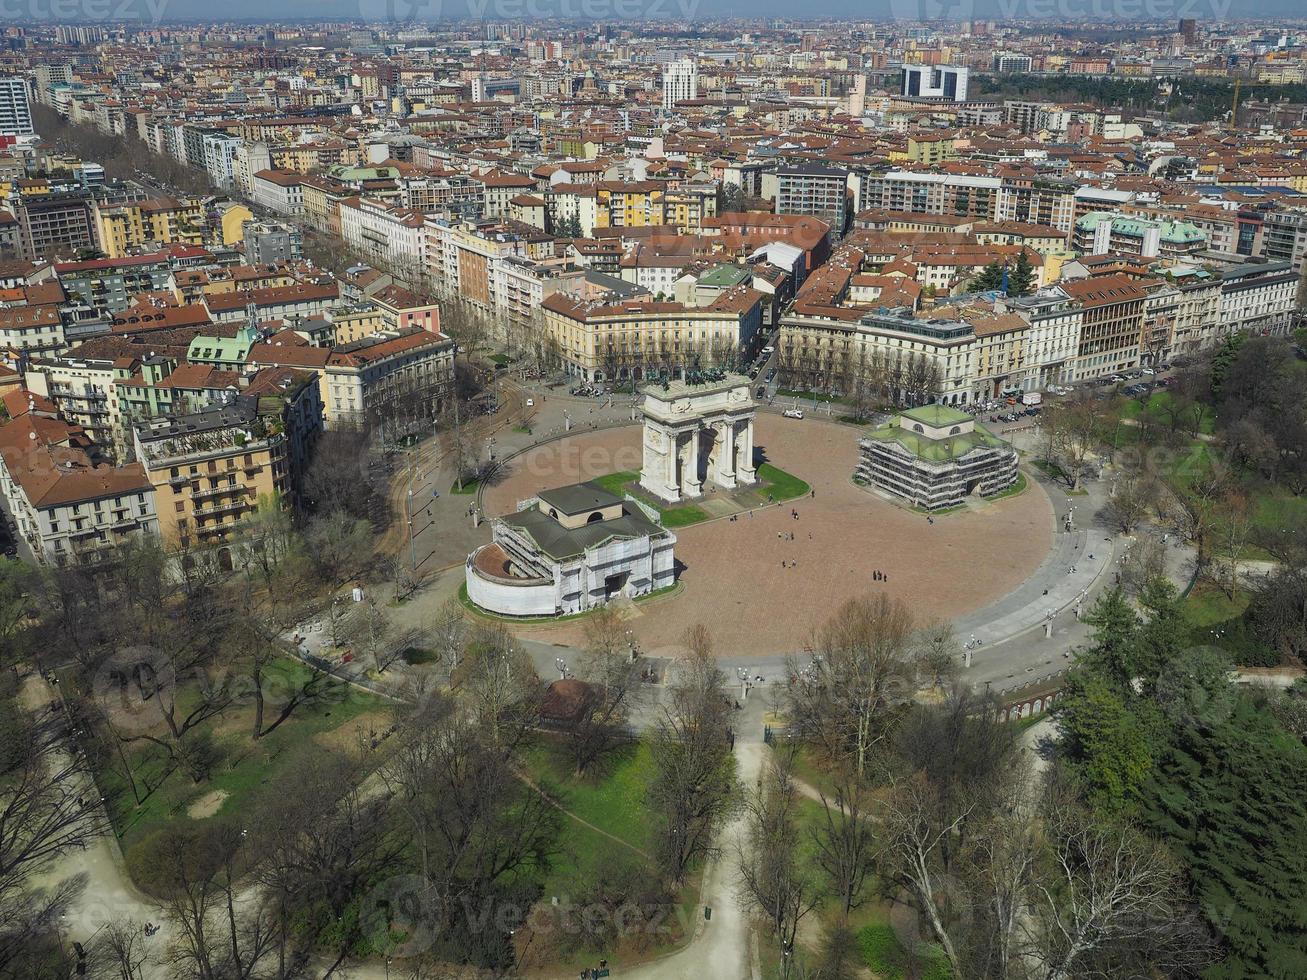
x: 937, y: 450
x: 1171, y: 231
x: 936, y: 416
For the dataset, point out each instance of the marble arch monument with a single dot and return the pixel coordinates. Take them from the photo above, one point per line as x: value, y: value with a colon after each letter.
x: 696, y: 433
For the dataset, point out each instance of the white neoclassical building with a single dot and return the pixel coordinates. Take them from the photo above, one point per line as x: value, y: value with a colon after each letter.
x: 568, y: 550
x: 696, y: 433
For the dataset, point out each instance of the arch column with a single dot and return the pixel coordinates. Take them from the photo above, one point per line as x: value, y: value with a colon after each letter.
x: 691, y: 485
x: 743, y: 443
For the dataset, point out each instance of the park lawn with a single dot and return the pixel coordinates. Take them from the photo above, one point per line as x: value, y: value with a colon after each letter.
x: 617, y: 482
x: 1207, y: 605
x: 1018, y: 487
x: 1155, y: 406
x: 1217, y: 620
x: 684, y: 515
x: 781, y: 485
x: 884, y: 954
x: 469, y: 486
x: 628, y: 481
x: 773, y: 482
x: 612, y: 800
x: 615, y: 802
x: 809, y: 768
x: 245, y: 766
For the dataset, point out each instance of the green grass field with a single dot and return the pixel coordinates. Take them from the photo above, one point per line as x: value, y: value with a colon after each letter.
x: 1156, y: 409
x: 773, y: 482
x: 245, y: 765
x: 1206, y: 605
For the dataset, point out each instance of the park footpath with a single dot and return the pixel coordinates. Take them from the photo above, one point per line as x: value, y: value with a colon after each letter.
x: 721, y: 945
x: 102, y: 891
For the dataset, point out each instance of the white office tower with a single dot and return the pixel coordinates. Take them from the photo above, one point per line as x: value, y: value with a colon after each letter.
x: 680, y: 81
x: 947, y: 83
x: 15, y: 114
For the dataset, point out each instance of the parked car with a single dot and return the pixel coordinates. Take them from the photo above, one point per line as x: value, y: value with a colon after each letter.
x: 1147, y: 371
x: 793, y: 413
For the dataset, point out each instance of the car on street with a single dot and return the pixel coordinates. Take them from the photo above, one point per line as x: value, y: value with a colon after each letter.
x: 793, y: 413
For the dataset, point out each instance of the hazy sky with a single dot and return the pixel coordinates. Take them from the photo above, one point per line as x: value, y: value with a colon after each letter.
x: 1062, y: 11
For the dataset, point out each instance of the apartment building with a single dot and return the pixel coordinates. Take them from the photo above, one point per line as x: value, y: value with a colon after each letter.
x: 386, y: 378
x: 68, y: 508
x: 32, y: 329
x: 1102, y: 233
x: 1285, y: 236
x: 680, y: 82
x: 279, y: 191
x: 107, y: 286
x: 610, y: 339
x: 210, y: 470
x: 820, y: 192
x: 1112, y: 321
x: 932, y: 193
x: 947, y: 83
x: 123, y: 228
x: 60, y: 224
x: 1036, y: 200
x: 1257, y: 297
x: 1052, y: 336
x: 390, y: 236
x: 15, y: 113
x: 269, y: 242
x: 913, y: 360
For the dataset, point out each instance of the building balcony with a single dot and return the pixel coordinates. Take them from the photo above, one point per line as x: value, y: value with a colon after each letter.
x: 223, y: 508
x: 218, y: 491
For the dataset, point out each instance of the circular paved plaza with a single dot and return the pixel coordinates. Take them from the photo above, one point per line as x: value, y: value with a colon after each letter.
x: 735, y: 574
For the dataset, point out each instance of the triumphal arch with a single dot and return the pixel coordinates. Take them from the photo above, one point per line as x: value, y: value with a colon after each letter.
x: 697, y: 431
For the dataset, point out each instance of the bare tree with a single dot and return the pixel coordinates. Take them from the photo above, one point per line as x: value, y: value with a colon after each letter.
x: 1104, y: 896
x: 775, y: 881
x: 500, y: 684
x: 120, y: 951
x: 845, y: 839
x: 474, y: 825
x: 693, y: 791
x: 220, y: 935
x: 1234, y: 522
x: 863, y: 671
x: 1144, y: 562
x: 938, y: 653
x: 607, y: 666
x: 1133, y: 496
x: 1077, y: 423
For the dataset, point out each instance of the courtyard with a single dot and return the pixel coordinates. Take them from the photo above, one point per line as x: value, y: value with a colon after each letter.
x: 763, y: 593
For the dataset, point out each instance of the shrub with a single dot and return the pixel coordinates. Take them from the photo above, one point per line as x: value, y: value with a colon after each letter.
x: 416, y: 656
x: 881, y: 950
